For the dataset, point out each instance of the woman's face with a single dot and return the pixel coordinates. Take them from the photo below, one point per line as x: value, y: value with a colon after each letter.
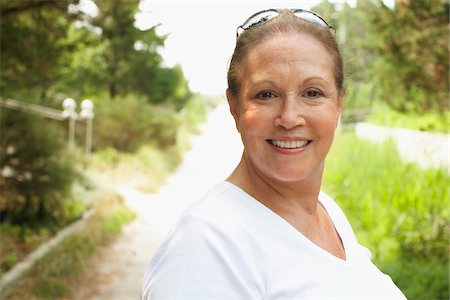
x: 288, y: 107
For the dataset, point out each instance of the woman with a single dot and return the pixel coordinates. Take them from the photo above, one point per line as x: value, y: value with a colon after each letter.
x: 268, y: 232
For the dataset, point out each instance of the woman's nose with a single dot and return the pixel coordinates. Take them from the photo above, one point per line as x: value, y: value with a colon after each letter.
x: 290, y: 114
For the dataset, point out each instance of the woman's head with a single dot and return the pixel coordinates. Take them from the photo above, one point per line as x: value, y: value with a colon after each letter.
x: 285, y: 95
x: 288, y: 23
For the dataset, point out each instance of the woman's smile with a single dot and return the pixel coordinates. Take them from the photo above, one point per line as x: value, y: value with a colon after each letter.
x: 289, y: 145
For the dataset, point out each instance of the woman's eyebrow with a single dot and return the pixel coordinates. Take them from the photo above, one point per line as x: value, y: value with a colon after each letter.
x: 312, y: 78
x: 261, y: 81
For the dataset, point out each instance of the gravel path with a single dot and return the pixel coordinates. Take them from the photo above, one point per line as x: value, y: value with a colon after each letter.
x: 118, y: 271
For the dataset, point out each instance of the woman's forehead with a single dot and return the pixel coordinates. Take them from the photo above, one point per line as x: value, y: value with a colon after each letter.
x: 284, y: 43
x: 288, y: 53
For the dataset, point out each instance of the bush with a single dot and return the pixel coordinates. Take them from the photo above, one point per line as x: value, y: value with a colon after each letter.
x: 399, y: 211
x: 36, y: 170
x: 126, y: 124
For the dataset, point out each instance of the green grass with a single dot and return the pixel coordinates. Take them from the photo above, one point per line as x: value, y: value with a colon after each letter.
x: 53, y: 276
x: 381, y: 114
x: 17, y: 242
x: 399, y: 211
x: 113, y: 224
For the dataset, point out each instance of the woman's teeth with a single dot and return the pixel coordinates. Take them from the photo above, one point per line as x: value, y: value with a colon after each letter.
x: 289, y: 144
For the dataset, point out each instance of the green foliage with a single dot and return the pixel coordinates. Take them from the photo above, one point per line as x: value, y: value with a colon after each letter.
x: 382, y: 114
x: 400, y: 212
x: 32, y: 47
x: 359, y: 95
x: 58, y: 273
x: 122, y: 65
x: 17, y: 242
x: 113, y: 224
x: 128, y: 123
x: 50, y: 289
x: 411, y: 76
x: 429, y: 279
x: 37, y: 171
x: 131, y: 122
x: 195, y: 110
x: 9, y: 261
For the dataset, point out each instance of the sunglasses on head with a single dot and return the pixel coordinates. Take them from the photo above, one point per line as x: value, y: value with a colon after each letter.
x: 265, y: 15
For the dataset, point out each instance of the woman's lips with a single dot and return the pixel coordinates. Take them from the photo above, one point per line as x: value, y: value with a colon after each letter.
x: 289, y: 144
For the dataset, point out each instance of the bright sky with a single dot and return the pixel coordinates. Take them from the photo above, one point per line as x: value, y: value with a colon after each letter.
x: 202, y: 33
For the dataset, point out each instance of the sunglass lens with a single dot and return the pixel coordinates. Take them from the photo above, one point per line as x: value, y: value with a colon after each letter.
x: 259, y: 18
x: 310, y: 17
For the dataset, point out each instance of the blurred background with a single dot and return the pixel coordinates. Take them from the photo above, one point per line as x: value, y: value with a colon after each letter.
x: 99, y: 97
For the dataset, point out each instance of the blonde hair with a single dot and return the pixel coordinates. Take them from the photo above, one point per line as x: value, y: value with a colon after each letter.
x: 285, y: 22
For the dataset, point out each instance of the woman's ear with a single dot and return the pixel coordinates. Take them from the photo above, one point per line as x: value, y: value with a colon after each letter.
x: 234, y: 107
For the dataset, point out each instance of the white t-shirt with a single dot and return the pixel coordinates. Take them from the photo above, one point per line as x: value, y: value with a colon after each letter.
x: 230, y: 246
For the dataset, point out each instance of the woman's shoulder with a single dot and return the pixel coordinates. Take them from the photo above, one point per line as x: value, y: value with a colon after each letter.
x: 218, y: 215
x: 203, y: 250
x: 222, y: 203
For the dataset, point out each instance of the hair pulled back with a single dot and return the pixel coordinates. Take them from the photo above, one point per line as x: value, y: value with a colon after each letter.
x: 285, y: 22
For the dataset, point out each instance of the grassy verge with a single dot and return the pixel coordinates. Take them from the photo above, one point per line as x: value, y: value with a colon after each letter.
x: 399, y: 211
x: 381, y: 114
x: 52, y: 276
x: 18, y: 240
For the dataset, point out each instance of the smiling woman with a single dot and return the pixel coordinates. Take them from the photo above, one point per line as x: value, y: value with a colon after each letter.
x: 267, y: 231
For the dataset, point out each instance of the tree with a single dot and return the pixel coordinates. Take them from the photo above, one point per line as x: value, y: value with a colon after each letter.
x: 130, y: 59
x: 31, y: 53
x: 35, y: 171
x: 411, y: 44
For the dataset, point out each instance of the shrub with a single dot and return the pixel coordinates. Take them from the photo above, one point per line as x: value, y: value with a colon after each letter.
x: 36, y: 170
x: 126, y: 124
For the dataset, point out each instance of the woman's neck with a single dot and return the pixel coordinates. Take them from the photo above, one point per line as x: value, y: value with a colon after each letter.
x: 281, y: 197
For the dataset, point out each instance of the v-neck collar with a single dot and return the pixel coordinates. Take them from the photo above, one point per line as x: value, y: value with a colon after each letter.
x: 298, y: 234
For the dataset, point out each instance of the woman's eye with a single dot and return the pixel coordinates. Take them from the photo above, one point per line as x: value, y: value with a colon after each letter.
x: 265, y: 95
x: 313, y: 93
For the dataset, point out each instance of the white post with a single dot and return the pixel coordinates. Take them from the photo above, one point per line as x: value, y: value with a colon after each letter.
x: 71, y: 133
x: 69, y: 106
x: 88, y: 137
x: 87, y: 113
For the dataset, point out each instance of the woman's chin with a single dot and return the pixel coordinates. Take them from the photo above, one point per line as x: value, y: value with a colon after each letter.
x: 291, y: 174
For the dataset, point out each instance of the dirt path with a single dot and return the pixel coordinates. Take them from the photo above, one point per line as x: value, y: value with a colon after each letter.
x: 118, y: 271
